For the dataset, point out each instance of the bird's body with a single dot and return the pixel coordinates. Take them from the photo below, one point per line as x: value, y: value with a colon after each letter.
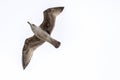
x: 37, y: 39
x: 43, y: 35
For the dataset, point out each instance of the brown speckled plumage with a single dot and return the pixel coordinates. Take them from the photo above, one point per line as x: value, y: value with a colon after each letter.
x: 33, y: 42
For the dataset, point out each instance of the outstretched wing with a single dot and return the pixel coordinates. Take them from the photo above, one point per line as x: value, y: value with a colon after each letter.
x: 49, y: 18
x: 29, y: 46
x: 33, y: 42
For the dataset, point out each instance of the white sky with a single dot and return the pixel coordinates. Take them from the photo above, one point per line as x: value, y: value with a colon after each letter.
x: 89, y: 32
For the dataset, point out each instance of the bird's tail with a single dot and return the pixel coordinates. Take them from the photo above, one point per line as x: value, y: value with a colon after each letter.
x: 55, y: 43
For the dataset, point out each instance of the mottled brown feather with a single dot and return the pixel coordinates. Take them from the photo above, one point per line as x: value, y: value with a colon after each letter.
x: 33, y: 42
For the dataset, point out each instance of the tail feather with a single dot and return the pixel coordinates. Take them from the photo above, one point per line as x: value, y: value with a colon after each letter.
x: 55, y: 43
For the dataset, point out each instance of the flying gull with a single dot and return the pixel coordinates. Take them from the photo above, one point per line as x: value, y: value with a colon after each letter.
x: 41, y: 34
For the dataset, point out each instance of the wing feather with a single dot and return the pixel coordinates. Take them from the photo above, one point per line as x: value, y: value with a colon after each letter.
x: 33, y: 42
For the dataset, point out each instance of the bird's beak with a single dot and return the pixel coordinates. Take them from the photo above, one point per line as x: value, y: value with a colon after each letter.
x: 29, y: 23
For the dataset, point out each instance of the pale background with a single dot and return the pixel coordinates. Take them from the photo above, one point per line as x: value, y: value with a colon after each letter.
x: 89, y: 31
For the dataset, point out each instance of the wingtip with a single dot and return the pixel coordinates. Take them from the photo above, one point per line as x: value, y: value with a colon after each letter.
x: 24, y: 63
x: 62, y: 8
x: 24, y: 66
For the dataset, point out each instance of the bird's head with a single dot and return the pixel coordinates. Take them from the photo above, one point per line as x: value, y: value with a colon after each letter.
x: 33, y: 26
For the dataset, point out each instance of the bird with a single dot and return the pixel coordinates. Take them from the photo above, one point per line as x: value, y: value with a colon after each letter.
x: 46, y: 27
